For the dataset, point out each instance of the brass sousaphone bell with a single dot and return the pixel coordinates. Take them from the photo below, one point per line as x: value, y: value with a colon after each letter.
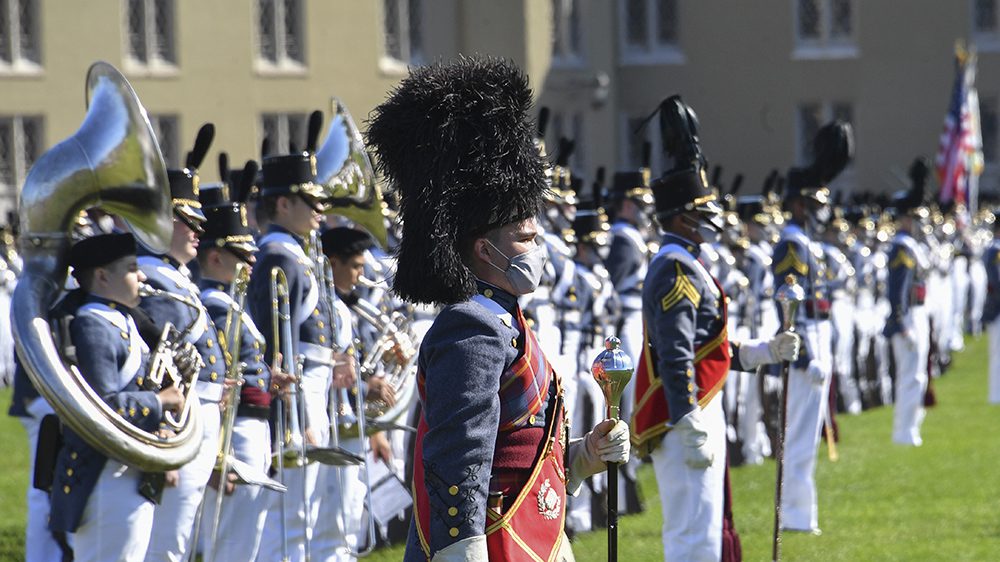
x: 347, y: 177
x: 112, y: 162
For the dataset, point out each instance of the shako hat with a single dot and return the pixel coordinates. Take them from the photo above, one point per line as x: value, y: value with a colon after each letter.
x: 454, y: 140
x: 293, y: 174
x: 590, y: 224
x: 184, y: 182
x: 100, y: 250
x: 684, y: 187
x: 634, y: 184
x: 912, y: 200
x: 833, y: 148
x: 226, y: 218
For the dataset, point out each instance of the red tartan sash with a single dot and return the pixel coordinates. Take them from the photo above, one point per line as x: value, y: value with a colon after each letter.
x: 651, y: 414
x: 532, y: 529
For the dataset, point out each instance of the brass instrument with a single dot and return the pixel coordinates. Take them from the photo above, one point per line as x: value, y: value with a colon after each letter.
x: 392, y: 355
x: 113, y: 162
x: 347, y: 177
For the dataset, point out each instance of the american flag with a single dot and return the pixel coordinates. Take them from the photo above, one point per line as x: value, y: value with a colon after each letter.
x: 959, y: 139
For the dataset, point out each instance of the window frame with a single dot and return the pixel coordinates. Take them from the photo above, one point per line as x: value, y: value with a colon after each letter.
x: 282, y: 144
x: 20, y: 166
x: 825, y: 47
x: 19, y: 64
x: 409, y: 56
x: 154, y: 65
x: 654, y: 52
x: 283, y: 65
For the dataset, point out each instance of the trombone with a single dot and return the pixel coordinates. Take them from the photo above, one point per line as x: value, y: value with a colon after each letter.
x: 290, y: 442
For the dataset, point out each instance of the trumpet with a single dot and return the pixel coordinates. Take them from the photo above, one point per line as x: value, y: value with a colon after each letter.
x: 174, y: 361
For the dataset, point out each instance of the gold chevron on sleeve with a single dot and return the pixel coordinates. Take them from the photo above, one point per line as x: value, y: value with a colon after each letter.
x: 683, y: 288
x: 791, y: 261
x: 903, y: 259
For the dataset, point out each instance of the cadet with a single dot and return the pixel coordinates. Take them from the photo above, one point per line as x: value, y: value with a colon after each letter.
x: 454, y: 141
x: 677, y: 418
x: 290, y: 203
x: 179, y: 304
x: 806, y: 199
x: 95, y: 497
x: 907, y: 325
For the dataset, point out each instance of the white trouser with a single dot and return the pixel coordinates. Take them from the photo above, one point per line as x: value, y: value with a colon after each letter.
x: 807, y: 404
x: 116, y: 522
x: 977, y: 294
x: 39, y: 546
x: 242, y: 519
x: 959, y: 279
x: 174, y: 517
x: 692, y: 498
x: 911, y: 379
x: 338, y: 526
x: 842, y: 316
x: 993, y: 332
x: 631, y: 338
x: 302, y: 482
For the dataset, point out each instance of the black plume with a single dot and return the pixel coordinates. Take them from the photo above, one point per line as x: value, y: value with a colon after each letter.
x: 919, y: 171
x: 543, y: 121
x: 599, y: 187
x: 679, y: 132
x: 312, y: 135
x: 224, y: 167
x: 647, y: 154
x: 265, y: 147
x: 292, y: 147
x: 833, y: 148
x: 241, y: 191
x: 716, y: 176
x: 737, y: 183
x: 566, y: 147
x: 769, y: 181
x: 201, y: 144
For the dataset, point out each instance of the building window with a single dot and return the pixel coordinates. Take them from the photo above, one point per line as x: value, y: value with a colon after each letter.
x: 280, y: 35
x: 650, y: 31
x: 402, y: 30
x: 19, y: 36
x: 989, y: 127
x: 21, y: 143
x: 986, y: 24
x: 285, y: 132
x: 825, y: 29
x: 167, y: 130
x: 810, y: 117
x: 566, y: 32
x: 150, y: 43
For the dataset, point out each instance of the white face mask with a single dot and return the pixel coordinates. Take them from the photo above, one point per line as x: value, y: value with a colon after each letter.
x: 524, y: 271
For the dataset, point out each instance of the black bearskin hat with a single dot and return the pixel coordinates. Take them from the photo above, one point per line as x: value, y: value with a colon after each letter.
x: 833, y: 148
x: 456, y: 144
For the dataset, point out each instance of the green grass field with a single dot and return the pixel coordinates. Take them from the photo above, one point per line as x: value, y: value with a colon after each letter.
x: 879, y: 502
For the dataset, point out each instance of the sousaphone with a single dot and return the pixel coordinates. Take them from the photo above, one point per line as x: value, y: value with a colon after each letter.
x: 112, y: 162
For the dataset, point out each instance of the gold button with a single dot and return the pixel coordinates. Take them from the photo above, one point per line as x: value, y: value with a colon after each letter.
x: 65, y: 489
x: 321, y: 324
x: 513, y: 342
x: 488, y: 293
x: 131, y: 412
x: 690, y: 399
x: 113, y: 305
x: 260, y: 382
x: 690, y: 387
x: 316, y: 312
x: 453, y: 531
x: 138, y: 381
x: 689, y: 372
x: 211, y: 359
x: 209, y: 343
x: 73, y: 455
x: 453, y: 511
x: 145, y: 411
x: 124, y: 335
x: 214, y: 376
x: 322, y: 339
x: 531, y: 420
x: 121, y: 411
x: 453, y: 490
x: 256, y: 345
x: 572, y: 298
x: 69, y: 472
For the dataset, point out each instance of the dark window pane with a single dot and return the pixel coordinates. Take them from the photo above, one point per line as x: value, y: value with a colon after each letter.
x: 265, y: 30
x: 137, y: 30
x: 809, y: 19
x: 7, y: 164
x: 293, y: 30
x: 985, y: 15
x: 635, y: 23
x: 841, y: 23
x: 6, y: 49
x: 666, y: 28
x: 163, y: 19
x: 28, y: 19
x: 416, y: 30
x: 393, y: 45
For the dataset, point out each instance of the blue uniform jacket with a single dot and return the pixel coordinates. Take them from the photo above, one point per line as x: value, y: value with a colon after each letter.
x: 991, y: 258
x: 682, y: 309
x: 163, y: 273
x: 907, y: 266
x: 462, y: 357
x: 626, y: 264
x: 795, y: 254
x: 311, y: 318
x: 256, y: 373
x: 112, y: 358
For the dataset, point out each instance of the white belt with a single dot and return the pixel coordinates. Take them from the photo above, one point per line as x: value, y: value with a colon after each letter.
x: 541, y: 293
x: 571, y: 317
x: 208, y: 391
x: 632, y: 302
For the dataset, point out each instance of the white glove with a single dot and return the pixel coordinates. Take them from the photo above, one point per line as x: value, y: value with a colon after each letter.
x: 589, y: 455
x: 694, y: 437
x: 469, y: 549
x: 816, y: 372
x: 782, y: 347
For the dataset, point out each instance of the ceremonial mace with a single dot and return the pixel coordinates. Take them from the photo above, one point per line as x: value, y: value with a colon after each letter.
x: 612, y: 370
x: 788, y: 296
